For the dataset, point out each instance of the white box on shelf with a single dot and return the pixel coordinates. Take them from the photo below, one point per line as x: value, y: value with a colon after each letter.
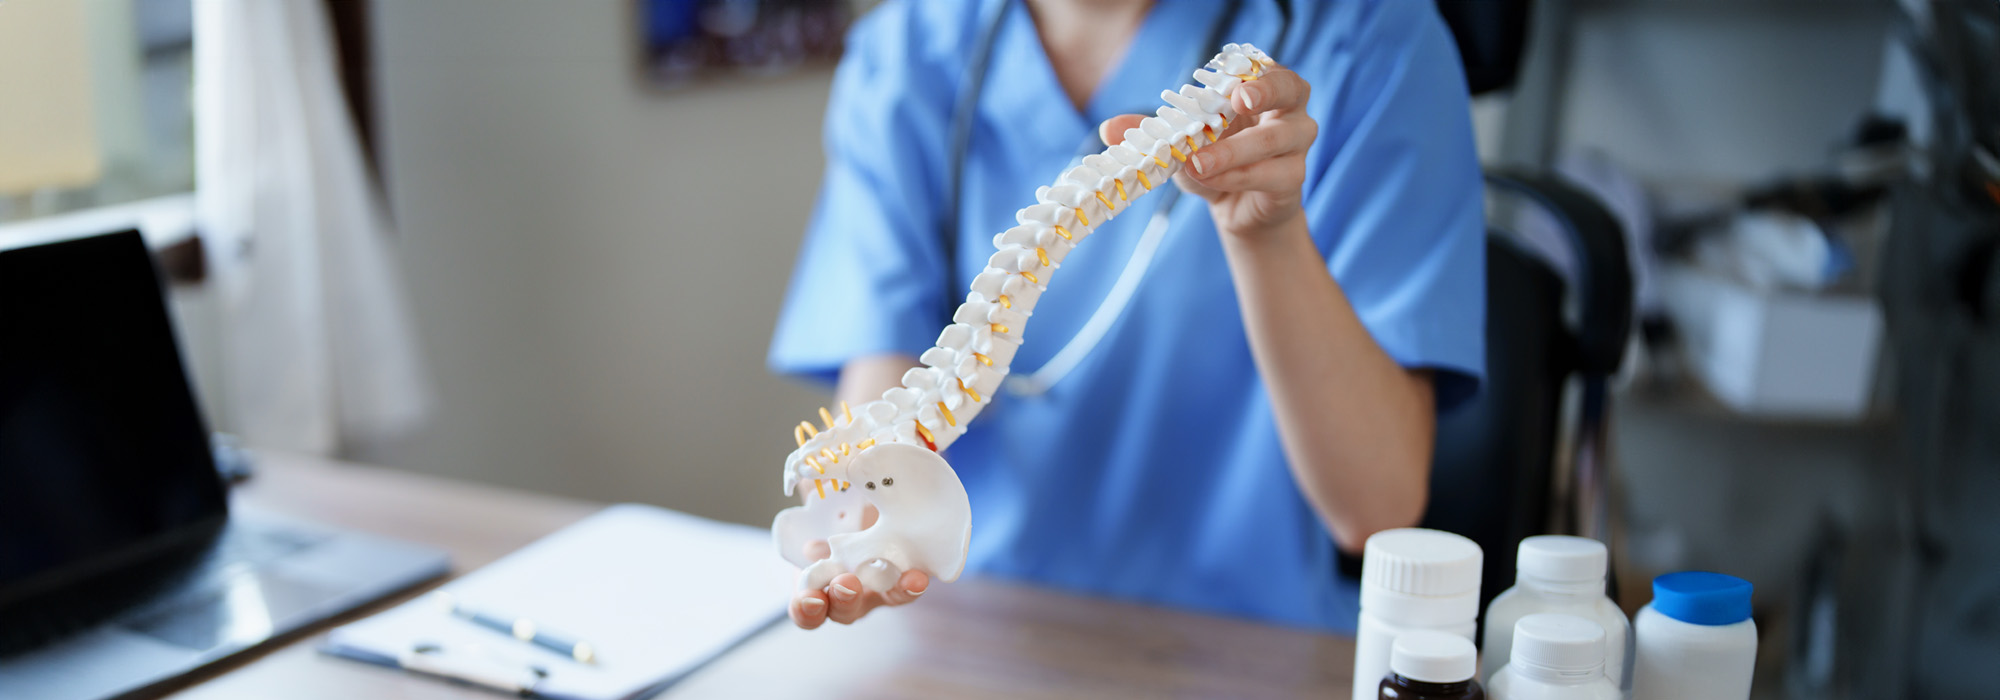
x: 1780, y: 354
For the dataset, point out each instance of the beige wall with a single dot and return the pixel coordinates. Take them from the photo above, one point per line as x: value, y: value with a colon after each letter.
x: 595, y: 267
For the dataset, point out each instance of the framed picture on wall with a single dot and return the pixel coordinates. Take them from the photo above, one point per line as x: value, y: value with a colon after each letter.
x: 685, y: 41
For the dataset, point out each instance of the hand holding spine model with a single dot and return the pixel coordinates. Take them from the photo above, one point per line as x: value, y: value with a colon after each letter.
x: 884, y: 452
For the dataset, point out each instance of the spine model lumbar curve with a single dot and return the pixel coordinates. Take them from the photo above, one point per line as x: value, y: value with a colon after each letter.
x: 885, y: 452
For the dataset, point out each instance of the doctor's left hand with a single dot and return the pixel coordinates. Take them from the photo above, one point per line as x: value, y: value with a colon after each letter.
x: 843, y: 600
x: 1253, y: 175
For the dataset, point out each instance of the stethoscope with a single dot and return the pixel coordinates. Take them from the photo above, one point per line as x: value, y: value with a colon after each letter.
x: 963, y: 111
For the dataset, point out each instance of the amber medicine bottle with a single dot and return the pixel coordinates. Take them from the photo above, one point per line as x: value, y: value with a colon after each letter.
x: 1431, y: 665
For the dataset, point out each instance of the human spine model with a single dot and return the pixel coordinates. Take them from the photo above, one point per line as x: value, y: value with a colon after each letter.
x: 884, y: 452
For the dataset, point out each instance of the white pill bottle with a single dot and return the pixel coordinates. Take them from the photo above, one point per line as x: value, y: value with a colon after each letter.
x: 1559, y: 574
x: 1696, y: 640
x: 1555, y: 657
x: 1412, y: 579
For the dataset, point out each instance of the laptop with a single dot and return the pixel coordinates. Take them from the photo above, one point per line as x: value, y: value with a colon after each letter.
x: 122, y: 566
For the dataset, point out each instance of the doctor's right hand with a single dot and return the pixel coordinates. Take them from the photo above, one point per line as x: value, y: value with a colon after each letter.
x: 843, y: 599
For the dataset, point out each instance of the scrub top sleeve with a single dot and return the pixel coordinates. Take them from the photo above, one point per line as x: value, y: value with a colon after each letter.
x: 1394, y: 195
x: 869, y: 277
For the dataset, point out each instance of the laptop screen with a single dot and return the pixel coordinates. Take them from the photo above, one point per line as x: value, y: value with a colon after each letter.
x: 103, y: 455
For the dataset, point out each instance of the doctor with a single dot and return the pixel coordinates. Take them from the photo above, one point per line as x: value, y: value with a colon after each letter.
x: 1268, y: 391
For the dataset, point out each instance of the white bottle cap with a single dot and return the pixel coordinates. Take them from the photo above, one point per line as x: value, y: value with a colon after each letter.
x: 1420, y: 577
x: 1561, y: 559
x: 1433, y: 657
x: 1558, y: 648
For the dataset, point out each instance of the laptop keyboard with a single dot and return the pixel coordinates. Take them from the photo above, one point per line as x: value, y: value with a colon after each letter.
x: 244, y: 545
x: 241, y: 547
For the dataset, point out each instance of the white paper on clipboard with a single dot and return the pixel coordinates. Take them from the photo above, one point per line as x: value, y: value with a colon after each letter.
x: 655, y: 592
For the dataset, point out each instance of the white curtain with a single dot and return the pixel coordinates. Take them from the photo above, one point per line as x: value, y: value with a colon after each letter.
x: 317, y: 346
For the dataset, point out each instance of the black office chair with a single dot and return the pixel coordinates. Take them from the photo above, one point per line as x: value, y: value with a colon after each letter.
x: 1495, y: 462
x: 1496, y: 459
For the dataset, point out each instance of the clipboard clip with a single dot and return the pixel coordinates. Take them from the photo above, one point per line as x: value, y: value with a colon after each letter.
x: 478, y: 666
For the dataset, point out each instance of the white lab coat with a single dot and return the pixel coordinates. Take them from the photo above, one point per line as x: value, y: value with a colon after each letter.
x: 317, y: 348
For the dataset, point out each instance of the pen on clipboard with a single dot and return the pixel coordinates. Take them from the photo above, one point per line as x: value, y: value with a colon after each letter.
x: 522, y: 629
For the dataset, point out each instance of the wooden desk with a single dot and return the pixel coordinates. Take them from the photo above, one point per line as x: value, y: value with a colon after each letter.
x: 971, y: 639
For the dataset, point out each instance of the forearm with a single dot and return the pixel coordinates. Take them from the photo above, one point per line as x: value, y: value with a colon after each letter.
x: 863, y: 379
x: 1356, y: 426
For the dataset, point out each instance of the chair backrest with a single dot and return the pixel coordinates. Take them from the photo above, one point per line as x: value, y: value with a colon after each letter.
x: 1491, y: 35
x: 1495, y: 455
x: 1494, y: 460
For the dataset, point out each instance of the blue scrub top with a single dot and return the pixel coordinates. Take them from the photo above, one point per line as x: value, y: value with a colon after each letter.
x: 1153, y: 472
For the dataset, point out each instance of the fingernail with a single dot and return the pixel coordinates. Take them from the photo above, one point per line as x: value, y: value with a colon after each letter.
x: 840, y: 592
x: 914, y: 592
x: 812, y: 606
x: 1249, y: 98
x: 1200, y: 163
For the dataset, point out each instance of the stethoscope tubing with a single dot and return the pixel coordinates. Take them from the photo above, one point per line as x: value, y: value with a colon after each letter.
x: 1108, y: 311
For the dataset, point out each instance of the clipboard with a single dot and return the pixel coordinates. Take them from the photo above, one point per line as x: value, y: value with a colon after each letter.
x: 657, y: 593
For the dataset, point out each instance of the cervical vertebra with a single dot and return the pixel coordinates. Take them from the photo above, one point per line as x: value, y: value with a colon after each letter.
x: 959, y: 376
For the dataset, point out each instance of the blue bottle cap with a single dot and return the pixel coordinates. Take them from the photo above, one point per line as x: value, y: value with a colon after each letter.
x: 1702, y: 598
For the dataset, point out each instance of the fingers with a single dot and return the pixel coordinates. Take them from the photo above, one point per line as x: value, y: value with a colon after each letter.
x: 816, y: 550
x: 1275, y: 175
x: 1279, y: 89
x: 808, y: 609
x: 1186, y: 181
x: 1257, y: 153
x: 844, y: 601
x: 908, y: 587
x: 847, y: 602
x: 1112, y: 131
x: 1270, y: 138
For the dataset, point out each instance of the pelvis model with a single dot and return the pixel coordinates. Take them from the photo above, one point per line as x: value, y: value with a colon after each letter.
x: 885, y: 452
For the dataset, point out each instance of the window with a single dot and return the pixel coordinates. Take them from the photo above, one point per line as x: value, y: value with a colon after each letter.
x: 95, y: 104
